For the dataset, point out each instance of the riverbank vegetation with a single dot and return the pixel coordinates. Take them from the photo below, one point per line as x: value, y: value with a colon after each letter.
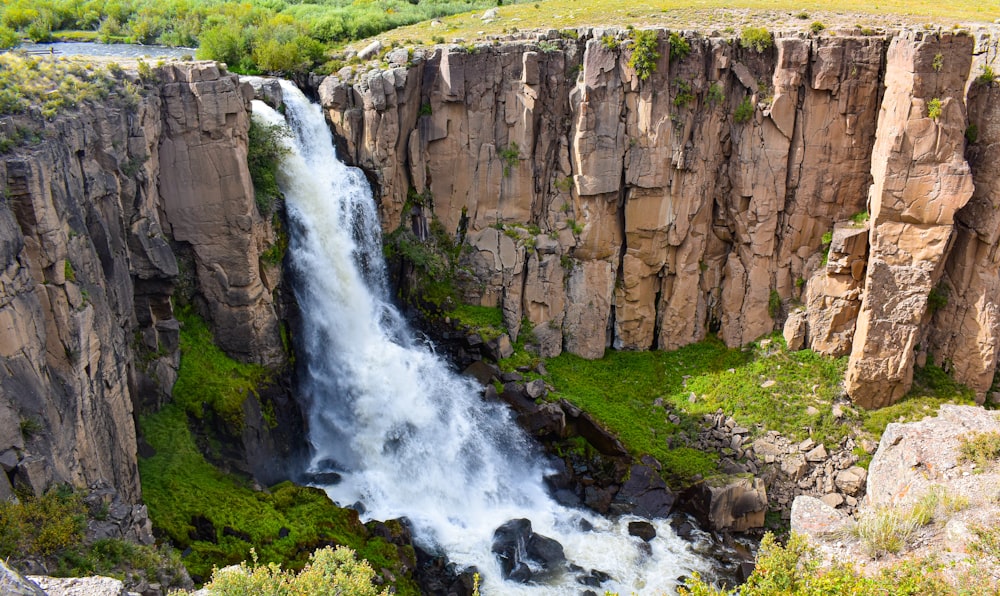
x: 252, y: 37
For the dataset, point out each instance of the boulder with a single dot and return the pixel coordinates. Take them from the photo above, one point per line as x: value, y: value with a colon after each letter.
x: 642, y: 529
x: 851, y: 481
x: 914, y: 457
x: 816, y: 519
x: 80, y: 586
x: 644, y: 493
x: 13, y: 583
x: 728, y: 503
x: 546, y: 420
x: 520, y: 550
x: 795, y: 329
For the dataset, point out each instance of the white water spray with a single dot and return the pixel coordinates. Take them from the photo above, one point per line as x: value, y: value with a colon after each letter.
x: 410, y: 437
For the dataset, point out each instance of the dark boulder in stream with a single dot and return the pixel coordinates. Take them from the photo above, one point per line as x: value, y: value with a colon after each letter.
x: 524, y: 554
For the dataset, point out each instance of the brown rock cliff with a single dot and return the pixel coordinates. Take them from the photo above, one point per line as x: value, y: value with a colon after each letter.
x: 664, y: 216
x: 94, y: 221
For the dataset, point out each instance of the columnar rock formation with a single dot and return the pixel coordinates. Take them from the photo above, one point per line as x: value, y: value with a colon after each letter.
x: 718, y: 194
x: 921, y: 179
x: 99, y: 223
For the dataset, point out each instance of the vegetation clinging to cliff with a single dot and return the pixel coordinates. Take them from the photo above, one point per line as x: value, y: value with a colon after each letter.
x: 210, y: 378
x: 265, y: 149
x: 644, y: 53
x: 220, y: 517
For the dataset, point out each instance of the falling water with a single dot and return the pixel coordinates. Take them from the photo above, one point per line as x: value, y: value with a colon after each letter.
x: 410, y: 437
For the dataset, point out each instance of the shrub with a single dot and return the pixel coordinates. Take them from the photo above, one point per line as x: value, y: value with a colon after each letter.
x: 972, y: 134
x: 610, y: 42
x: 644, y: 53
x: 329, y: 571
x: 509, y: 155
x: 937, y: 298
x: 816, y: 27
x: 715, y: 94
x: 987, y: 76
x: 757, y: 39
x: 980, y: 448
x: 8, y: 38
x: 938, y: 63
x: 934, y: 109
x: 774, y: 304
x: 43, y: 525
x: 886, y: 530
x: 679, y: 47
x: 684, y: 95
x: 744, y: 111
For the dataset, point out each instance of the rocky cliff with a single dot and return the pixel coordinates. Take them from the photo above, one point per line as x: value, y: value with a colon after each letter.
x: 111, y: 212
x: 832, y: 181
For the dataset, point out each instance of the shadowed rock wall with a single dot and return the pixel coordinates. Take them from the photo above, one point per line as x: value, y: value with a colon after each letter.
x: 95, y: 225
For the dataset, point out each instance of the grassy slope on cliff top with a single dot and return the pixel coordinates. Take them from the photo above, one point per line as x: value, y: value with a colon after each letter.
x: 703, y: 15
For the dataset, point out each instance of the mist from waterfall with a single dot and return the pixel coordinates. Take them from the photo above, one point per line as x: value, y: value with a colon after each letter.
x: 410, y: 437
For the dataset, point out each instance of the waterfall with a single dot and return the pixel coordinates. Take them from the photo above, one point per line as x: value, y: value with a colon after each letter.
x: 410, y: 437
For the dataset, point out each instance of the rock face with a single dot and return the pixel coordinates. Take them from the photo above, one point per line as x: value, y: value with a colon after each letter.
x: 917, y: 464
x: 645, y: 214
x: 99, y: 226
x: 921, y: 180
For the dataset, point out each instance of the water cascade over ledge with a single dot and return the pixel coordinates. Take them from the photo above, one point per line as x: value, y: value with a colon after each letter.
x: 409, y: 436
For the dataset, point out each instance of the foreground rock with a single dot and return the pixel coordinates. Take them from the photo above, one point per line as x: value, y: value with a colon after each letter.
x: 917, y: 467
x: 80, y: 586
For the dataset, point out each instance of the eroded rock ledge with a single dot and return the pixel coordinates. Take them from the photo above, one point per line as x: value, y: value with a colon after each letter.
x: 648, y: 213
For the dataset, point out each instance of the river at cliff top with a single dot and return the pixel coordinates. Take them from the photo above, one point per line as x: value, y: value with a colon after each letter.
x: 106, y: 50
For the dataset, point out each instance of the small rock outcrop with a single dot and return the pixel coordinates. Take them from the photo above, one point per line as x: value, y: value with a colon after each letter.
x: 918, y: 467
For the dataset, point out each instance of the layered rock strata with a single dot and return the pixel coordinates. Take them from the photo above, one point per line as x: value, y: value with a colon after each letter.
x: 97, y: 223
x: 610, y: 209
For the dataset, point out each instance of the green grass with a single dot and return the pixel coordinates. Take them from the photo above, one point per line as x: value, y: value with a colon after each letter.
x: 931, y: 388
x: 57, y: 85
x: 178, y: 484
x: 704, y: 15
x: 487, y: 321
x: 620, y: 391
x: 208, y: 377
x: 762, y: 388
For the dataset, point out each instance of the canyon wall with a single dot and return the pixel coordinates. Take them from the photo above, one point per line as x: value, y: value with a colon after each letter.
x: 821, y: 184
x: 114, y: 209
